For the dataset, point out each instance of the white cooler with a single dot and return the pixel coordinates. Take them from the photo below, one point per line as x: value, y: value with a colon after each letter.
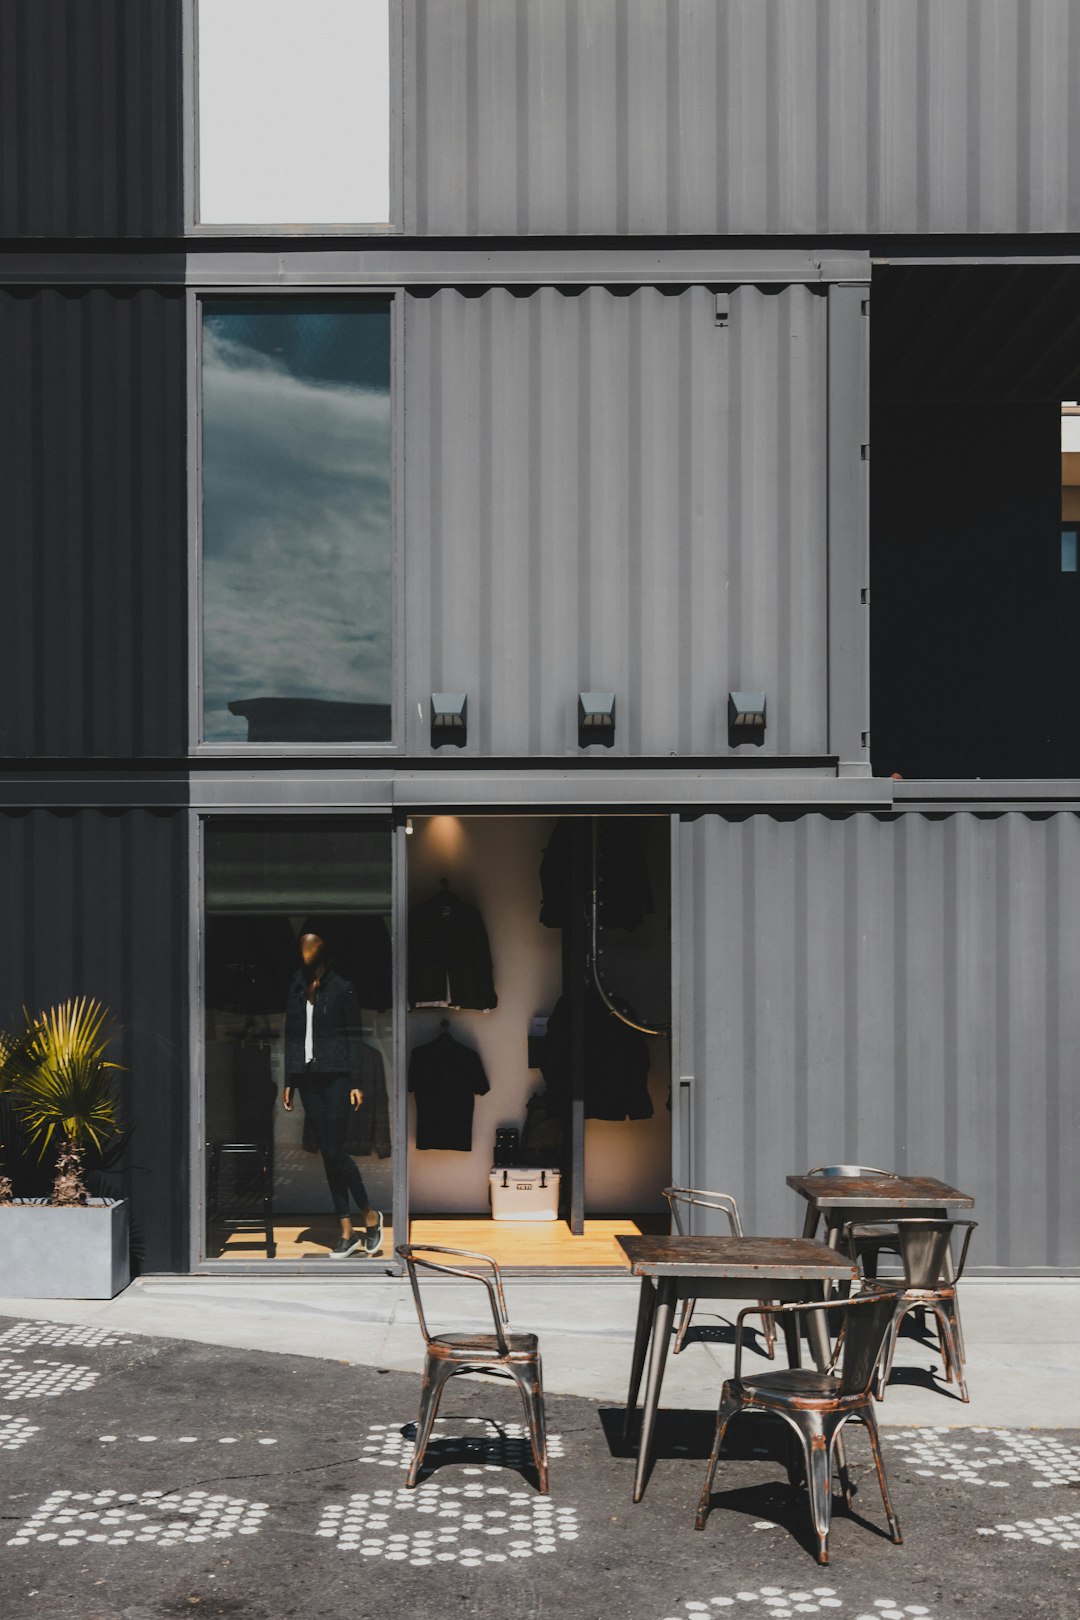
x: 524, y: 1194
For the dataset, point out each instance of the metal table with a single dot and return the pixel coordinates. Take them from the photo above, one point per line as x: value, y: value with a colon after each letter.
x: 676, y: 1268
x: 872, y: 1198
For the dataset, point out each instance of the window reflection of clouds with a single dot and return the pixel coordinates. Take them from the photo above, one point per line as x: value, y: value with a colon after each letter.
x: 296, y: 509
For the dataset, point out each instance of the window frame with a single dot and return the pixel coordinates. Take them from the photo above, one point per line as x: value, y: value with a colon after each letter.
x: 198, y: 747
x: 394, y: 226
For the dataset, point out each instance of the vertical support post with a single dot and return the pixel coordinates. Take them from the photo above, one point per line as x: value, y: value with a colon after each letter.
x: 574, y: 986
x: 849, y: 527
x: 399, y: 1096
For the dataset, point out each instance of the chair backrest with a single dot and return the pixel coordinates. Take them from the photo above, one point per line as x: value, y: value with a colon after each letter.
x: 851, y: 1170
x: 867, y: 1319
x: 415, y: 1256
x: 683, y: 1200
x: 924, y: 1242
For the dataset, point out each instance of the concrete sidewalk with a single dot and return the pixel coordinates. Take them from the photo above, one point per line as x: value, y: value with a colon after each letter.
x: 1023, y: 1337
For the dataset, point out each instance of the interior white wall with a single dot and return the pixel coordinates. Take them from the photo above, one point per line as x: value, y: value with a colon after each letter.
x: 293, y: 112
x: 494, y: 863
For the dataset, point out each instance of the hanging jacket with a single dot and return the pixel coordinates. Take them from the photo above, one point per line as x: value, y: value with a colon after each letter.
x: 624, y: 893
x: 615, y: 1057
x: 449, y: 955
x: 445, y: 1077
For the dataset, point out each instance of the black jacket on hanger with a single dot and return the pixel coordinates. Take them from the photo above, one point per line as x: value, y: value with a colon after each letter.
x: 449, y: 955
x: 616, y: 1060
x: 624, y: 893
x: 445, y: 1077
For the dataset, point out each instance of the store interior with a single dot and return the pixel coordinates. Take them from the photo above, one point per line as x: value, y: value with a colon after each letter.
x: 537, y: 1049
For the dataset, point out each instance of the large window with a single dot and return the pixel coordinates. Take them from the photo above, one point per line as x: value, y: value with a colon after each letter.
x: 293, y: 112
x: 296, y: 520
x: 278, y: 1181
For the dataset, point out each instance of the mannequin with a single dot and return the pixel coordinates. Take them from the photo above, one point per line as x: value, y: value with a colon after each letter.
x: 322, y: 1062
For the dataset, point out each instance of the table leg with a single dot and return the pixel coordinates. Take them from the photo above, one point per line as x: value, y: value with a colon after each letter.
x: 809, y: 1226
x: 817, y: 1332
x: 646, y: 1307
x: 792, y: 1340
x: 661, y: 1334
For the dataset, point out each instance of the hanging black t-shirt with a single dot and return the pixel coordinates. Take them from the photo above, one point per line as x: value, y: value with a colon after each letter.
x: 444, y: 1077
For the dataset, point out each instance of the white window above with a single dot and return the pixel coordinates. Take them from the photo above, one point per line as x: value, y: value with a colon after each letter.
x: 293, y: 101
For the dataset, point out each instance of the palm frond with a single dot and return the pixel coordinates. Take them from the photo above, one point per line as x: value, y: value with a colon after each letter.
x: 60, y: 1076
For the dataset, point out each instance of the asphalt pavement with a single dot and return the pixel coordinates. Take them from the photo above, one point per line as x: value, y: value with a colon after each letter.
x: 150, y: 1477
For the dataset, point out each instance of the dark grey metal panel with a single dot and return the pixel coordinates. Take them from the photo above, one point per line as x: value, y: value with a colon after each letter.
x: 90, y: 118
x: 95, y: 903
x: 888, y: 990
x: 741, y: 116
x: 93, y: 513
x: 612, y: 492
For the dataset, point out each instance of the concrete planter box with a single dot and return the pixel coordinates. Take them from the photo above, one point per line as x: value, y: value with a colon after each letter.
x: 50, y: 1253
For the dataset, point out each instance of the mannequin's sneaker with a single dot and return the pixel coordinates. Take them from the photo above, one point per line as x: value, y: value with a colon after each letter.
x: 347, y: 1246
x: 373, y: 1236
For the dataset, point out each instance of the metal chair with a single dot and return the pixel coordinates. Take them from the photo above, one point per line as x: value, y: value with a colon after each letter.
x: 680, y: 1199
x: 503, y: 1353
x: 924, y: 1244
x: 816, y: 1405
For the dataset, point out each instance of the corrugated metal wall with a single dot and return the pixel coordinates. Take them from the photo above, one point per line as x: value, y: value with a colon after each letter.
x: 93, y: 510
x: 90, y: 118
x: 609, y: 492
x: 742, y: 116
x: 95, y: 903
x: 898, y: 991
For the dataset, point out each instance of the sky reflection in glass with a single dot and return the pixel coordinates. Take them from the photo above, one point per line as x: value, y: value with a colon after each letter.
x: 296, y: 520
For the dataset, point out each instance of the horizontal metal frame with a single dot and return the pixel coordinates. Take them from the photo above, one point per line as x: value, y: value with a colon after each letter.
x: 380, y: 267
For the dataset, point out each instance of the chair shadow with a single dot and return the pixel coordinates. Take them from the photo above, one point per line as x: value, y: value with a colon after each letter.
x: 497, y: 1450
x: 924, y: 1378
x: 785, y: 1506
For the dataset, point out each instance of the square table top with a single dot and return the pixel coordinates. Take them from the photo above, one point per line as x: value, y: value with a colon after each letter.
x: 898, y: 1192
x: 787, y: 1258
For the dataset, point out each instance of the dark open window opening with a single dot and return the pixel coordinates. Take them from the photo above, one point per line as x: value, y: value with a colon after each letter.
x: 975, y: 628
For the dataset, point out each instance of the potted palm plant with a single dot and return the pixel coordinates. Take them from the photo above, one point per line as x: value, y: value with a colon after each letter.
x: 61, y: 1087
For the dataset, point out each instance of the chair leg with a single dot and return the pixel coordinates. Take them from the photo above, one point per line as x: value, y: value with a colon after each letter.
x: 528, y: 1380
x: 436, y: 1374
x: 868, y: 1418
x: 729, y: 1405
x: 684, y: 1323
x: 950, y: 1347
x: 816, y: 1444
x: 888, y: 1350
x: 768, y: 1331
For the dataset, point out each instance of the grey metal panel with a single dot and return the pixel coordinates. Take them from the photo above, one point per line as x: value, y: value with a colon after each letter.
x: 742, y: 116
x: 92, y: 508
x: 891, y: 990
x: 610, y: 492
x: 95, y: 903
x: 90, y: 118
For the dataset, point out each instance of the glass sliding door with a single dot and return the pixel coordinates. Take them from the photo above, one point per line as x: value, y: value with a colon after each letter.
x: 298, y: 1001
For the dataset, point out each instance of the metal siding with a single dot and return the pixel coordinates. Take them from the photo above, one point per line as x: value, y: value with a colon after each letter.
x: 609, y: 492
x: 90, y: 118
x: 97, y: 901
x: 565, y: 117
x: 888, y: 990
x: 92, y: 469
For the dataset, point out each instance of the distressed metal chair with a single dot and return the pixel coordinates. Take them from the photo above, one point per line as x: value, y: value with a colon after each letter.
x: 503, y: 1354
x: 816, y: 1405
x: 679, y: 1201
x: 924, y: 1244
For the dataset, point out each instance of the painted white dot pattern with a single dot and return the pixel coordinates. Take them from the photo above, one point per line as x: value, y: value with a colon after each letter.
x: 29, y: 1381
x: 1061, y: 1531
x: 784, y: 1602
x: 981, y: 1456
x: 23, y: 1334
x: 117, y: 1518
x: 495, y: 1446
x: 468, y: 1525
x: 185, y: 1439
x: 15, y: 1431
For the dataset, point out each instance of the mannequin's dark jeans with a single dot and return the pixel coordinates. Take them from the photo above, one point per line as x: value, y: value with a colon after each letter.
x: 326, y: 1103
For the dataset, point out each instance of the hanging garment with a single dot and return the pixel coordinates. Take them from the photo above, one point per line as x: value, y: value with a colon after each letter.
x: 449, y: 955
x: 624, y: 893
x: 445, y: 1078
x: 367, y: 1128
x: 253, y: 1092
x: 616, y: 1062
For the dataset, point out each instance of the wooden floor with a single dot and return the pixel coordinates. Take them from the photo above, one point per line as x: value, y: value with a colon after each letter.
x: 539, y: 1245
